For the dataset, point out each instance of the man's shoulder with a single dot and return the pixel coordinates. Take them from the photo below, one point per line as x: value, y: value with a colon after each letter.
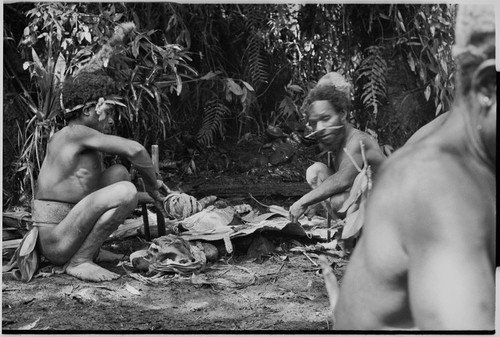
x: 72, y: 129
x: 72, y: 135
x: 361, y: 141
x: 77, y: 131
x: 359, y: 136
x: 402, y: 169
x: 425, y: 173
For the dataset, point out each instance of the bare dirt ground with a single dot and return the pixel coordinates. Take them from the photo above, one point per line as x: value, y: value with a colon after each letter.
x: 276, y: 290
x: 269, y: 293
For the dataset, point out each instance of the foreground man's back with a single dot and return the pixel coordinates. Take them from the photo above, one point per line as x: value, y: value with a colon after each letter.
x: 426, y: 257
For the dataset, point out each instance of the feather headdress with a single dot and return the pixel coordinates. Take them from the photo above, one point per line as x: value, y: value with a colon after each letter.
x: 336, y: 80
x: 332, y: 79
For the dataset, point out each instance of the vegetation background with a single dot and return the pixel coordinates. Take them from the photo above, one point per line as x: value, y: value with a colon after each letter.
x: 197, y: 76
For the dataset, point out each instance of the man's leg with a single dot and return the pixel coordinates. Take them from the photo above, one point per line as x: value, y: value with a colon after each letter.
x: 79, y: 236
x: 317, y: 173
x: 337, y: 200
x: 114, y: 174
x: 119, y: 172
x: 111, y: 175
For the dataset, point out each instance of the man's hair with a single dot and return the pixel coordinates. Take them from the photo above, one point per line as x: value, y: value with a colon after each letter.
x: 337, y: 98
x: 474, y: 42
x: 337, y: 80
x: 333, y: 80
x: 84, y: 88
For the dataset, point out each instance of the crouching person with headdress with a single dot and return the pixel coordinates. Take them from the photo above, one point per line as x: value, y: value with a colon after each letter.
x: 78, y: 203
x: 356, y: 155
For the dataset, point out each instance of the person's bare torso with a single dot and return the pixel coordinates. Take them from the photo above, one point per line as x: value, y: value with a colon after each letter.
x: 375, y: 287
x: 69, y: 171
x: 353, y: 138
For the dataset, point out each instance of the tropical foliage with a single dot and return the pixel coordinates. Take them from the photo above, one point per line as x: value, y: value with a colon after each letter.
x: 209, y: 72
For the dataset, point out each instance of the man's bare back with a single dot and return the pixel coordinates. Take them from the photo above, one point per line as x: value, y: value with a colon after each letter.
x: 69, y: 171
x: 426, y: 258
x: 375, y: 287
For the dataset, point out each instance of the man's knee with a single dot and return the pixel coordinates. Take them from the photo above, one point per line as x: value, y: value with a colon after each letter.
x: 316, y: 173
x: 124, y: 193
x: 337, y: 201
x: 115, y: 174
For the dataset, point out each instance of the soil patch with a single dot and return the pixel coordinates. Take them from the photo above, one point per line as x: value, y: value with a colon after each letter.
x: 278, y: 291
x: 249, y: 290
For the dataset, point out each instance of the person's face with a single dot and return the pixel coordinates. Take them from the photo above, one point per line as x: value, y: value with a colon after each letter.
x: 104, y: 121
x: 327, y: 122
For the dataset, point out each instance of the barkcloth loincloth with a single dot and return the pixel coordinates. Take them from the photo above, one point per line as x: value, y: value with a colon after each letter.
x: 44, y: 213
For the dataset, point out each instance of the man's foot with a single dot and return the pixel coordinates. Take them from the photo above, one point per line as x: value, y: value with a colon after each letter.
x: 107, y: 256
x: 89, y: 271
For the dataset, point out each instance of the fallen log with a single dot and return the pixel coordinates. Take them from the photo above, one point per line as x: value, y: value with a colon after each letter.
x: 242, y: 190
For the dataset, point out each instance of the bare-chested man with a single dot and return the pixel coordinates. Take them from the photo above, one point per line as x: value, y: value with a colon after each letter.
x: 79, y: 203
x: 426, y: 258
x: 327, y: 110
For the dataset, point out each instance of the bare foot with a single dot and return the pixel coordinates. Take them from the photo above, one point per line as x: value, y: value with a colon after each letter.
x: 107, y: 256
x: 89, y: 271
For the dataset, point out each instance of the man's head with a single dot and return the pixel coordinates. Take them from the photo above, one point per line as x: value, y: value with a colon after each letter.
x: 90, y: 97
x: 333, y: 80
x: 90, y: 90
x: 327, y: 114
x: 474, y: 53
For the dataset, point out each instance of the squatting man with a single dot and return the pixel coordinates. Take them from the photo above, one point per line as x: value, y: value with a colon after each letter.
x: 78, y: 203
x: 327, y: 107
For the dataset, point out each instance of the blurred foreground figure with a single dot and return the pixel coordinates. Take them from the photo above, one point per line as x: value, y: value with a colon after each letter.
x: 426, y: 259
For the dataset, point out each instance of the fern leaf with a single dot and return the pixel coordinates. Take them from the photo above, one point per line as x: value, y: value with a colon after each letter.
x: 256, y: 66
x: 371, y: 74
x: 212, y: 125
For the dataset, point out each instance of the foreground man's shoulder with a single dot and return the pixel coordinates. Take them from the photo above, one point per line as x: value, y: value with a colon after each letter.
x: 414, y: 171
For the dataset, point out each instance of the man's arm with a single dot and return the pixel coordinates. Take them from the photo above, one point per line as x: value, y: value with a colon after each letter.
x: 337, y: 183
x: 341, y: 180
x: 132, y: 150
x: 451, y: 277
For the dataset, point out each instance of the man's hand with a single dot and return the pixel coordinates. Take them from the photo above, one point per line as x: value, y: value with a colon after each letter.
x: 296, y: 211
x: 158, y: 202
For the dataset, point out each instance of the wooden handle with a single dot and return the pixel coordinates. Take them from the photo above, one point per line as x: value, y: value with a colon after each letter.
x: 155, y: 157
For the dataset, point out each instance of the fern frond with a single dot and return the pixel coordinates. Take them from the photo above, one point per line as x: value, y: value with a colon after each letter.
x: 212, y: 123
x: 371, y: 76
x: 256, y: 65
